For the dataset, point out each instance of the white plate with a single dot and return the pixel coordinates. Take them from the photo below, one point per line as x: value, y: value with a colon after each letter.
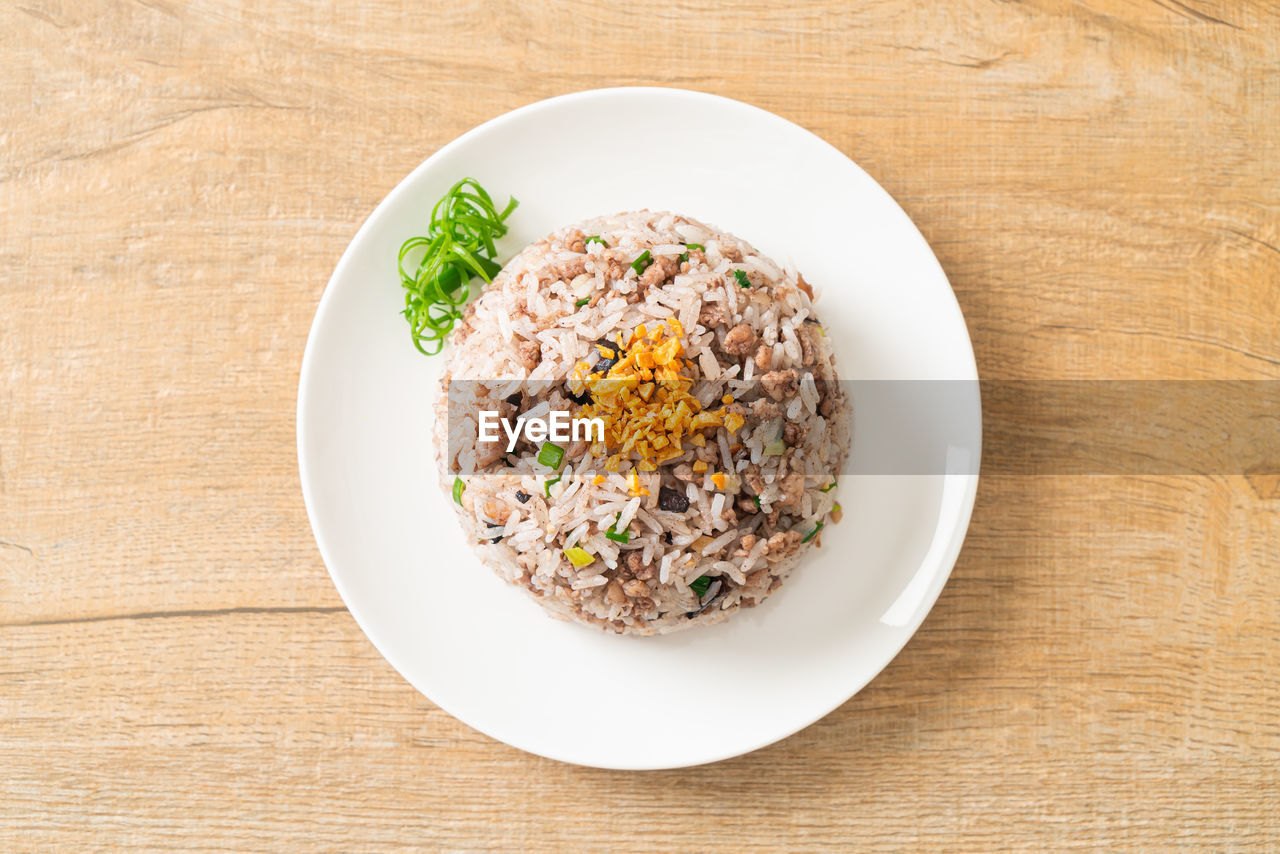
x: 484, y: 651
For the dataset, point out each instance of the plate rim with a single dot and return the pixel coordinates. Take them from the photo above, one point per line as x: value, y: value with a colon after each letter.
x: 948, y: 556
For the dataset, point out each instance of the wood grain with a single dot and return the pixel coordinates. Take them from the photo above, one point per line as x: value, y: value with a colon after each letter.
x: 1098, y: 179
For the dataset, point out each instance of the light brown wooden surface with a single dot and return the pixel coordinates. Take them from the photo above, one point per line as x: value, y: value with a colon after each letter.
x: 1099, y: 180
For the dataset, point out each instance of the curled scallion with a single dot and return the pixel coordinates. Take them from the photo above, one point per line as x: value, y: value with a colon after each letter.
x: 458, y: 245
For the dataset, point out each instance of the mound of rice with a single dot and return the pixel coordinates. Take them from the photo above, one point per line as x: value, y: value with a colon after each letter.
x: 711, y: 509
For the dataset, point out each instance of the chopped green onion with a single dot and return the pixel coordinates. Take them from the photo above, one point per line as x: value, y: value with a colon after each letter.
x: 643, y: 260
x: 697, y: 246
x: 580, y: 303
x: 700, y: 584
x: 684, y: 256
x: 623, y: 537
x: 814, y: 532
x: 579, y: 557
x: 457, y: 247
x: 458, y: 486
x: 830, y: 486
x: 551, y: 455
x: 756, y: 499
x: 595, y: 238
x: 775, y: 448
x: 547, y: 484
x: 743, y: 281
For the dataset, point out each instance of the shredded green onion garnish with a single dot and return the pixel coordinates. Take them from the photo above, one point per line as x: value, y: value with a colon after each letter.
x: 684, y: 256
x: 547, y: 484
x: 458, y: 245
x: 756, y: 499
x: 814, y: 532
x: 617, y: 537
x: 697, y: 246
x: 743, y: 281
x: 550, y: 454
x: 580, y: 303
x: 595, y: 238
x: 458, y: 486
x: 700, y: 584
x: 830, y: 486
x: 643, y: 260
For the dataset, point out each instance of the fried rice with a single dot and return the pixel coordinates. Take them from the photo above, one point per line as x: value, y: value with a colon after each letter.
x: 726, y: 425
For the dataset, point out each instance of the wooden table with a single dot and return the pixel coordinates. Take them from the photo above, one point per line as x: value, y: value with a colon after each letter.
x: 1100, y: 180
